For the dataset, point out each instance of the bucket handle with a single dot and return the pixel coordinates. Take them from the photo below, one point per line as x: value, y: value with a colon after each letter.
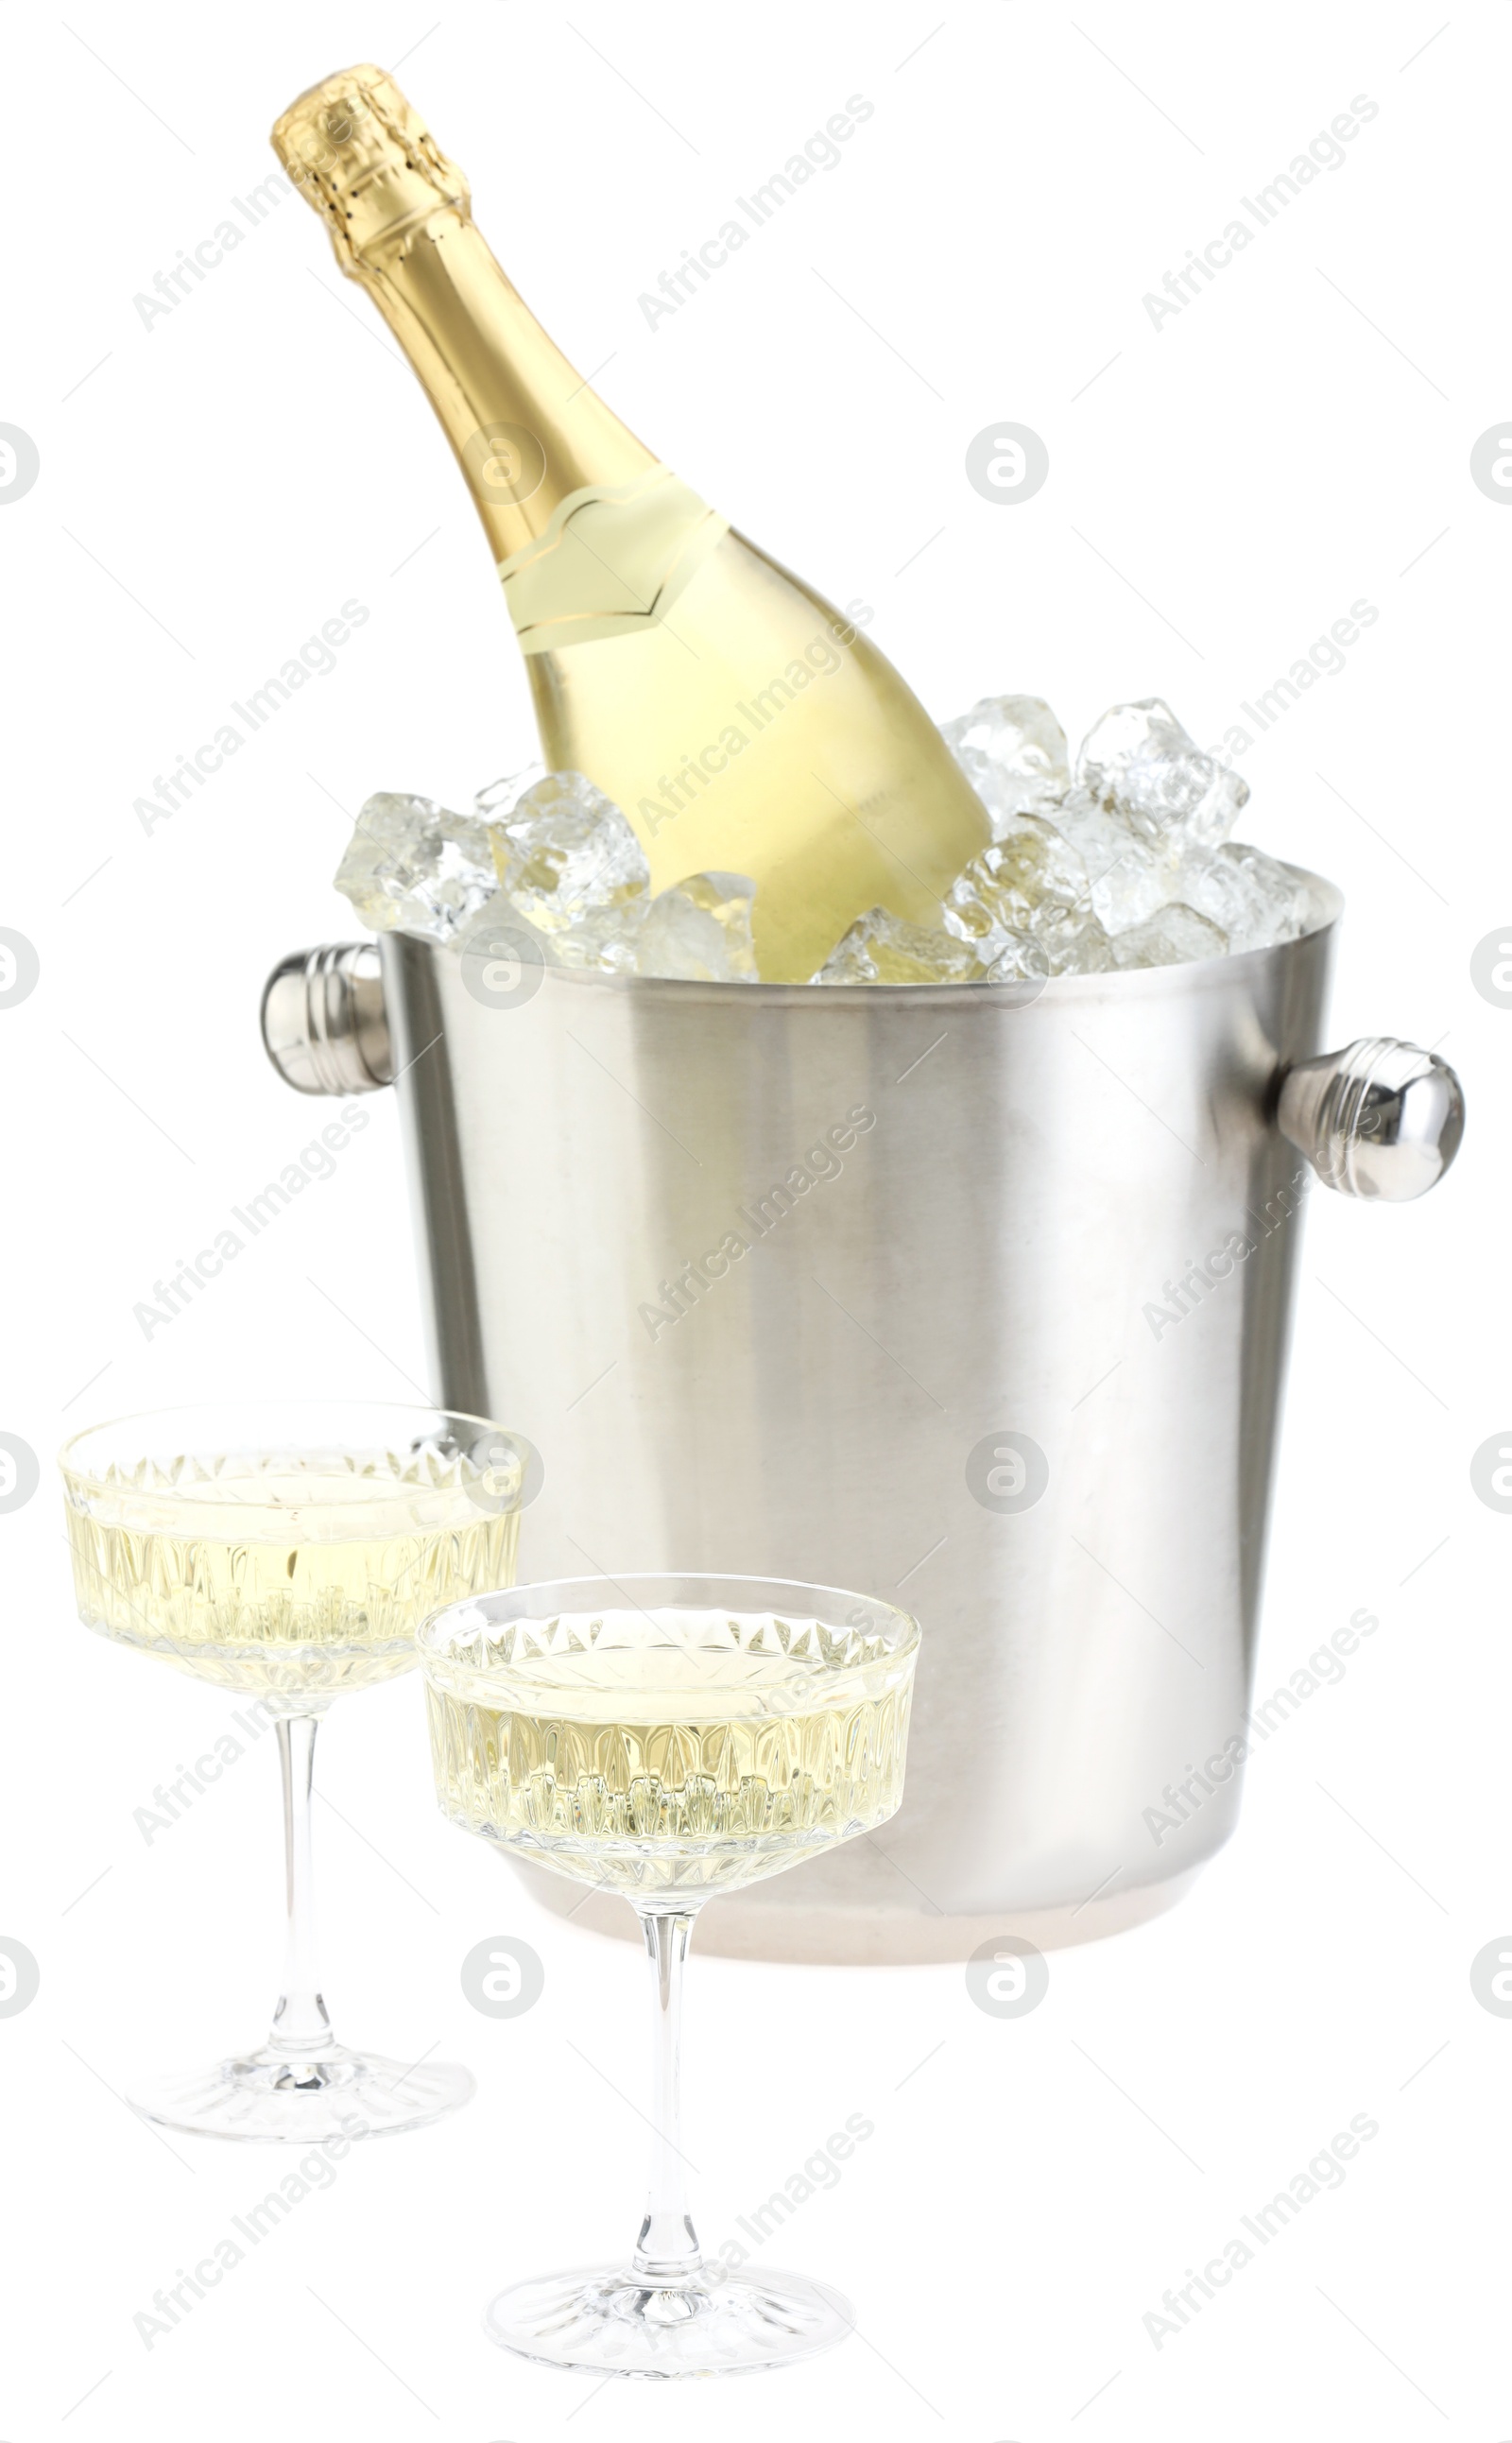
x: 1380, y: 1120
x: 324, y: 1026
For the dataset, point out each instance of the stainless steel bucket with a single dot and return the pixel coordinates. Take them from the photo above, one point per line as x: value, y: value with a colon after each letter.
x: 975, y: 1303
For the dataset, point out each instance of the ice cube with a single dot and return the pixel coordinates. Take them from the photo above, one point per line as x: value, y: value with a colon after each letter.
x: 1128, y: 878
x: 701, y: 930
x: 1013, y: 751
x: 570, y: 864
x: 1031, y: 884
x: 1029, y: 881
x: 1256, y: 900
x: 497, y: 931
x: 1080, y: 947
x: 1169, y: 938
x: 881, y: 949
x: 1140, y: 759
x: 1018, y: 962
x: 413, y: 867
x: 500, y: 796
x: 610, y: 939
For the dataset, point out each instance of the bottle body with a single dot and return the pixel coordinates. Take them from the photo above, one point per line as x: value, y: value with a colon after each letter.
x: 756, y: 730
x: 742, y: 725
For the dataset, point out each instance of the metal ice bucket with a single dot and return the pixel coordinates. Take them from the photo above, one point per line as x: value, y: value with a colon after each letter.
x: 978, y: 1303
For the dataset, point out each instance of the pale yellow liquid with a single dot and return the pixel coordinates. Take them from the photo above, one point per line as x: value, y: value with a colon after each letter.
x: 648, y: 1767
x: 285, y: 1580
x: 841, y: 795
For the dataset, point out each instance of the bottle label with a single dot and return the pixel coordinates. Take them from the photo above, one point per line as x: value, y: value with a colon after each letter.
x: 612, y: 562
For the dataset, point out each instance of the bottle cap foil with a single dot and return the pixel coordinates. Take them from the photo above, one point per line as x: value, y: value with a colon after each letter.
x: 363, y: 158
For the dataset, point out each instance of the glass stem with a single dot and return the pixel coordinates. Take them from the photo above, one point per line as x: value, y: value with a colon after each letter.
x: 667, y: 2250
x: 302, y: 2027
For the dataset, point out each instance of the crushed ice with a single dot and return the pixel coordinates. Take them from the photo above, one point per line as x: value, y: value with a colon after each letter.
x: 1121, y: 859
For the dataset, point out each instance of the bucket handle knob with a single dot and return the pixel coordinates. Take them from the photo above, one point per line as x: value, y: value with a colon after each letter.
x: 324, y: 1026
x: 1380, y: 1120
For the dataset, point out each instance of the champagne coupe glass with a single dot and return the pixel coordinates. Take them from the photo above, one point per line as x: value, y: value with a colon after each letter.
x: 287, y: 1551
x: 670, y: 1738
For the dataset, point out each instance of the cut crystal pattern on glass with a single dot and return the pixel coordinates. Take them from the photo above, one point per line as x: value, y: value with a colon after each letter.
x: 669, y: 1739
x: 291, y: 1552
x: 286, y: 1575
x: 651, y: 1769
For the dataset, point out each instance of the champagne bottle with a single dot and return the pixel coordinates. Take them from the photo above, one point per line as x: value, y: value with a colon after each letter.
x: 743, y: 724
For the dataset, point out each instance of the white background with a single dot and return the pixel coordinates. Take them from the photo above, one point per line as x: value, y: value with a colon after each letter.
x: 1221, y: 491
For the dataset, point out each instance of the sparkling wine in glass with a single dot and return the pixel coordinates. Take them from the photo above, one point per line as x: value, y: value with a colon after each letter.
x: 288, y: 1552
x: 670, y: 1738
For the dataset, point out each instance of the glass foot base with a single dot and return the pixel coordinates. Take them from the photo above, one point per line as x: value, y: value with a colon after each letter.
x: 605, y: 2322
x: 300, y: 2103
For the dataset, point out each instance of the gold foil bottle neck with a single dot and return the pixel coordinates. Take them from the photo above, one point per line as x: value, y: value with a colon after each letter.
x: 367, y: 163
